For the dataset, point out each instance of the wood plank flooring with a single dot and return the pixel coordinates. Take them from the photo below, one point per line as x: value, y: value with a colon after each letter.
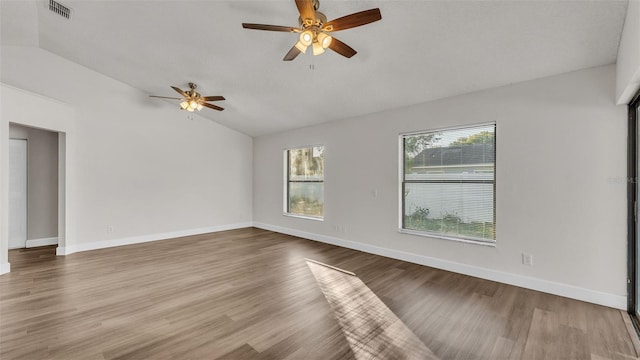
x: 249, y: 294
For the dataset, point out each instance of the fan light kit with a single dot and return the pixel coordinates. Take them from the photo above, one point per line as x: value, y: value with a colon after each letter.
x: 192, y: 100
x: 314, y: 28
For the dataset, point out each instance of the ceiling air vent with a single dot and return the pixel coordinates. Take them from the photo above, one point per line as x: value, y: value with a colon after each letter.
x: 60, y: 9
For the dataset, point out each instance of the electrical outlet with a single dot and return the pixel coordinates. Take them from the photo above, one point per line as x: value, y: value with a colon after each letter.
x: 527, y: 259
x: 110, y: 228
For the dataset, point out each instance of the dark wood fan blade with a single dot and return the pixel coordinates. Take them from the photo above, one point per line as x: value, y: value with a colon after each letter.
x: 353, y: 20
x: 305, y: 7
x: 165, y: 97
x: 292, y: 54
x: 213, y: 98
x: 341, y: 48
x: 269, y: 27
x: 211, y: 106
x: 180, y: 92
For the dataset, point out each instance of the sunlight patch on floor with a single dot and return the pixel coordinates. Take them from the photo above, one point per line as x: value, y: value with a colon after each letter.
x: 372, y: 330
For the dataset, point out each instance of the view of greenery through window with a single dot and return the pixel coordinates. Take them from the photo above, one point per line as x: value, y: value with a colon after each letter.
x: 305, y: 181
x: 449, y: 182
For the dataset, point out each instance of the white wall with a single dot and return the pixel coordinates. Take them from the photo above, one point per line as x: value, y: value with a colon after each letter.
x: 42, y: 180
x: 561, y: 190
x: 142, y: 167
x: 628, y: 63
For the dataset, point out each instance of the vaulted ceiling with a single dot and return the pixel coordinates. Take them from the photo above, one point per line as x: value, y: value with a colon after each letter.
x: 419, y: 51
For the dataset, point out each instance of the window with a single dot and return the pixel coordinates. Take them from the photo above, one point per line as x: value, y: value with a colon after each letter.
x: 448, y: 183
x: 305, y: 182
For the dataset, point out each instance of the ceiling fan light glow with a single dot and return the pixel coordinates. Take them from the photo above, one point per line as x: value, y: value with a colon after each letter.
x: 306, y: 37
x: 184, y: 105
x: 193, y: 105
x: 317, y: 48
x: 199, y: 107
x: 324, y: 40
x: 301, y: 47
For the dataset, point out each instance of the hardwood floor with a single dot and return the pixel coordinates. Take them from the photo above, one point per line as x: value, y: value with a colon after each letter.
x: 249, y: 294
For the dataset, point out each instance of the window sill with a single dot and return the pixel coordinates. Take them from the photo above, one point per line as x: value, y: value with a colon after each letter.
x: 487, y: 243
x: 314, y: 218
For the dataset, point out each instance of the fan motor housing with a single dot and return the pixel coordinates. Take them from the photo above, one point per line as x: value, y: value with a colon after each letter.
x: 321, y: 19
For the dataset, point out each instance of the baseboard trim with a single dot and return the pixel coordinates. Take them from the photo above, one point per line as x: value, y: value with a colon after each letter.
x: 42, y: 242
x: 67, y: 250
x: 5, y: 268
x: 551, y: 287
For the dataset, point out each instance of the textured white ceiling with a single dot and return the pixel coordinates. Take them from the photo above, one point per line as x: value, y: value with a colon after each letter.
x: 419, y: 51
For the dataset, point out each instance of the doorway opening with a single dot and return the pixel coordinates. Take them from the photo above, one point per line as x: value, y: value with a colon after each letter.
x: 38, y: 112
x: 33, y: 187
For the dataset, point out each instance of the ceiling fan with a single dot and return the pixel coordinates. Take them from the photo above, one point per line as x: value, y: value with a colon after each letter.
x: 314, y: 28
x: 192, y: 100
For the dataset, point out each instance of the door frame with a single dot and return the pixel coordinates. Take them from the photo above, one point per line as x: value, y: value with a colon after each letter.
x: 632, y: 210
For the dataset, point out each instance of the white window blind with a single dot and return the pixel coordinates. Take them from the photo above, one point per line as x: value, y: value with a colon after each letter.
x: 448, y: 183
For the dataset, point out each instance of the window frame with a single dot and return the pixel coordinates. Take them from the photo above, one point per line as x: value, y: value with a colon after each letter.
x: 633, y: 148
x: 402, y: 185
x: 287, y: 181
